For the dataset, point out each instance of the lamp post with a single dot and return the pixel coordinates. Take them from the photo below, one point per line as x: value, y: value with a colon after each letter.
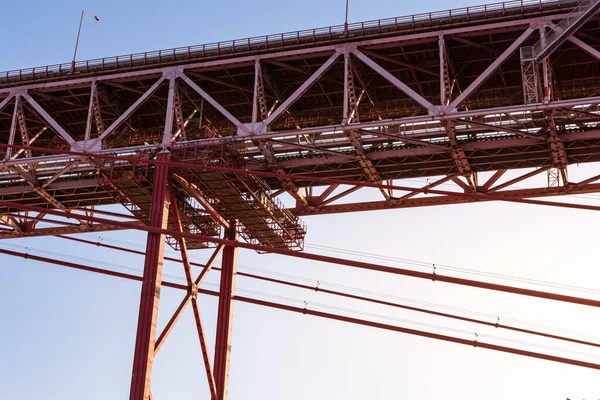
x: 346, y: 21
x: 83, y: 14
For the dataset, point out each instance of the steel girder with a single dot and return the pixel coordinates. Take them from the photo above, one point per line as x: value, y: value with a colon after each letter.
x: 318, y: 146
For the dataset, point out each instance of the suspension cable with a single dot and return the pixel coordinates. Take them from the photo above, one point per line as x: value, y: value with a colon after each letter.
x: 346, y: 295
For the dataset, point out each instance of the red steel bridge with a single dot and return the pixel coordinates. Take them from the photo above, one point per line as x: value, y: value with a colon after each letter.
x: 201, y: 143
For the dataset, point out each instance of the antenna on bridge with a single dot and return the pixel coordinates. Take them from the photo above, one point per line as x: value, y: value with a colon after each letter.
x: 346, y: 21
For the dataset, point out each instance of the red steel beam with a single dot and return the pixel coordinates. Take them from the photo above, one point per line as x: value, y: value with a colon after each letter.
x: 171, y: 324
x: 192, y: 294
x: 150, y: 294
x: 56, y: 230
x: 104, y: 212
x: 326, y: 259
x: 474, y: 196
x: 189, y: 295
x: 182, y: 242
x: 372, y: 300
x: 321, y: 314
x: 428, y: 201
x: 225, y: 313
x: 204, y: 348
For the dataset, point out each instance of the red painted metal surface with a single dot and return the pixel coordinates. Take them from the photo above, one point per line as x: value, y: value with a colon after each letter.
x: 225, y: 314
x: 151, y: 282
x: 191, y: 296
x: 317, y: 115
x: 450, y: 197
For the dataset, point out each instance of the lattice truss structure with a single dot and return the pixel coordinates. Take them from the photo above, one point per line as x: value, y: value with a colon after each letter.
x: 199, y: 143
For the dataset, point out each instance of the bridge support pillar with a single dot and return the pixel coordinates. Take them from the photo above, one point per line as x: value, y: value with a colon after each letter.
x: 150, y: 295
x: 225, y: 314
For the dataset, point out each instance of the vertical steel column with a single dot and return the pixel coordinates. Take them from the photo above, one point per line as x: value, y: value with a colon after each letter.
x: 150, y: 296
x: 345, y: 111
x: 442, y: 53
x: 13, y: 128
x: 547, y: 71
x: 168, y: 134
x: 257, y: 79
x: 88, y: 124
x: 225, y: 316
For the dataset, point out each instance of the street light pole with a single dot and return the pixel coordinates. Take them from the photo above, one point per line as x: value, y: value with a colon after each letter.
x: 77, y: 42
x: 83, y: 14
x: 346, y: 21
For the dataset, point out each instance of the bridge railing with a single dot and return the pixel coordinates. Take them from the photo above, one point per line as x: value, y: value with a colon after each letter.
x: 308, y: 36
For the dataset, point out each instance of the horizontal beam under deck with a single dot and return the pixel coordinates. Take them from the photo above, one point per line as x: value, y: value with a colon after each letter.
x: 488, y: 194
x: 490, y: 154
x: 56, y: 230
x: 424, y: 201
x: 398, y: 162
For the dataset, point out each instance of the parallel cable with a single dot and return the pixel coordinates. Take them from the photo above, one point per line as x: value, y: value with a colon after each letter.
x: 314, y: 281
x: 431, y: 335
x: 305, y: 310
x: 417, y: 263
x: 429, y: 265
x: 395, y: 305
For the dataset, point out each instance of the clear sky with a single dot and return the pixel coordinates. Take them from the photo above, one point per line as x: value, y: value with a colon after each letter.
x: 69, y: 335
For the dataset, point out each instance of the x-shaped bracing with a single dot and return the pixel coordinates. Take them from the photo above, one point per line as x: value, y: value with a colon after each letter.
x: 191, y: 297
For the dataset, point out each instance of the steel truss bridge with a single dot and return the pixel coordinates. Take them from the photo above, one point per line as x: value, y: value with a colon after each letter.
x: 200, y: 144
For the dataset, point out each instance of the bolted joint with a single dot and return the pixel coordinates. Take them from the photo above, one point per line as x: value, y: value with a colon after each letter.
x: 194, y: 291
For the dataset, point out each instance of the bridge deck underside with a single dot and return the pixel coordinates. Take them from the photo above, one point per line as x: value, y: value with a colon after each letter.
x: 404, y: 163
x: 289, y: 111
x: 132, y: 188
x: 244, y: 198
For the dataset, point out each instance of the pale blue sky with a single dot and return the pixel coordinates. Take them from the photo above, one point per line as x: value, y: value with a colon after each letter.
x: 69, y: 335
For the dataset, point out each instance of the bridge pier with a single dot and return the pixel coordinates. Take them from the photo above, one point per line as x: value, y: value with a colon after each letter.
x: 152, y: 278
x: 225, y: 314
